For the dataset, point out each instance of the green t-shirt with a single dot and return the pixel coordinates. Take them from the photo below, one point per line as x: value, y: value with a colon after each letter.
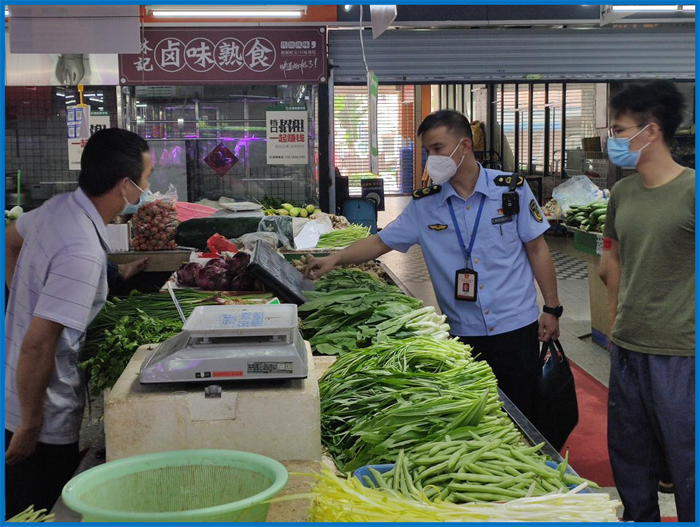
x: 655, y: 228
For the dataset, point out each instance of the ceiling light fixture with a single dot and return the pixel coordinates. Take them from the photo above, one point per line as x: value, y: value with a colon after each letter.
x: 262, y: 11
x: 7, y: 13
x: 635, y: 8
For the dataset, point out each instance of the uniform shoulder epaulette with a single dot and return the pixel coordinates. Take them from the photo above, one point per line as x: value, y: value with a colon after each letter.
x: 504, y: 181
x: 426, y: 191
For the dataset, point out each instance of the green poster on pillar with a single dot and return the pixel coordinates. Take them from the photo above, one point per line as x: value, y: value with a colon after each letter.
x: 373, y: 88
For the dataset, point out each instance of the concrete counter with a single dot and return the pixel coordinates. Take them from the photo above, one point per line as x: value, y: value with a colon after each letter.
x: 288, y: 511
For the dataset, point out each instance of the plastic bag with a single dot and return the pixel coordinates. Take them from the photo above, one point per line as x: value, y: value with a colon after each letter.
x: 282, y: 226
x: 311, y: 233
x: 248, y: 241
x: 155, y: 222
x: 219, y: 244
x: 579, y: 190
x: 189, y: 211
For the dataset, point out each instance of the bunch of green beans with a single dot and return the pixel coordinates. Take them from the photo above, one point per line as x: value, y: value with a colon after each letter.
x: 343, y: 237
x: 30, y: 515
x: 473, y: 471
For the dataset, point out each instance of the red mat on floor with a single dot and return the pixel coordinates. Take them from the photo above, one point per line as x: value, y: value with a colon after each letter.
x: 588, y: 443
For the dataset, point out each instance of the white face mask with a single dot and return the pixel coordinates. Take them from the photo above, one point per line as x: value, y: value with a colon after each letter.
x: 442, y: 168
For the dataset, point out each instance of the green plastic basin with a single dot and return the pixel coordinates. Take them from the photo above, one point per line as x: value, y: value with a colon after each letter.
x: 179, y: 486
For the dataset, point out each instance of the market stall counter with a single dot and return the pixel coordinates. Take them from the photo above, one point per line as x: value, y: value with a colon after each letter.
x: 280, y: 420
x: 289, y: 511
x: 158, y: 261
x: 590, y: 248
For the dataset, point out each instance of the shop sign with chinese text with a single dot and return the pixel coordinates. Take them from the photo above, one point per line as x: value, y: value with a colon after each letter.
x: 179, y: 56
x: 76, y: 144
x: 287, y: 138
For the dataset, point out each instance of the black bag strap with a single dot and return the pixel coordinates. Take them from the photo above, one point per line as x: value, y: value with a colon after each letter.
x: 556, y: 350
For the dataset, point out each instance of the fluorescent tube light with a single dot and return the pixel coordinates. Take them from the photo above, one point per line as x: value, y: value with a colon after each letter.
x: 635, y: 8
x: 228, y: 13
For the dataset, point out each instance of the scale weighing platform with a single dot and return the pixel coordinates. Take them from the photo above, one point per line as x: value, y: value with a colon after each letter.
x: 226, y: 343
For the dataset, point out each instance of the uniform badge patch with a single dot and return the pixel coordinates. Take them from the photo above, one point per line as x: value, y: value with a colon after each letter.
x: 437, y: 227
x: 535, y: 211
x: 426, y: 191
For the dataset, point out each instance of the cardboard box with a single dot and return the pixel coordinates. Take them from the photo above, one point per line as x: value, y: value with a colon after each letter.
x: 591, y: 144
x: 118, y: 237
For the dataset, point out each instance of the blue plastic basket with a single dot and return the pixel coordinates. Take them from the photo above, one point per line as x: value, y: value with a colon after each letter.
x: 361, y: 212
x: 364, y: 471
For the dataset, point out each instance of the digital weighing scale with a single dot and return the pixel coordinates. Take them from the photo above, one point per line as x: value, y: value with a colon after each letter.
x: 226, y: 343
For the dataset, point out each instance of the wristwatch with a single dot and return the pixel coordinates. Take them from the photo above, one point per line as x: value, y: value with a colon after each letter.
x: 556, y: 311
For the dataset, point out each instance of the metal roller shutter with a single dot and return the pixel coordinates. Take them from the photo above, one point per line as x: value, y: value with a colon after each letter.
x: 395, y: 130
x: 502, y: 55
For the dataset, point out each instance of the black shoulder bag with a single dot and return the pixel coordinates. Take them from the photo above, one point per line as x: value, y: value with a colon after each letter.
x: 556, y: 409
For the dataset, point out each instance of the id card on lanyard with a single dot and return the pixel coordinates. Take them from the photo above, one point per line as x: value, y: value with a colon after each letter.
x: 467, y: 279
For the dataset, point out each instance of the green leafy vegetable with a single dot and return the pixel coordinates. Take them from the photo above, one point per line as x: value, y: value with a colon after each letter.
x: 119, y: 344
x: 334, y: 321
x: 400, y: 394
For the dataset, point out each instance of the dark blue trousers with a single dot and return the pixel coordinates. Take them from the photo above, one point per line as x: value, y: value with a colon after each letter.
x: 651, y: 411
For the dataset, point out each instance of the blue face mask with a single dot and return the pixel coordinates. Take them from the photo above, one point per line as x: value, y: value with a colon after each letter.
x: 619, y: 151
x: 131, y: 208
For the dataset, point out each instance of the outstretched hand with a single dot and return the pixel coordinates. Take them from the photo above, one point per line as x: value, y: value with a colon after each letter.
x: 317, y: 267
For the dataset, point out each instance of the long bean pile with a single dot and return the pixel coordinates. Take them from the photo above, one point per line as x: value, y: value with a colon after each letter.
x: 338, y: 499
x: 30, y: 515
x: 343, y: 237
x: 472, y: 471
x: 400, y: 394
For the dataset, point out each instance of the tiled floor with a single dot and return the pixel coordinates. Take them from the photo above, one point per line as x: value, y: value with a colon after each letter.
x: 572, y: 282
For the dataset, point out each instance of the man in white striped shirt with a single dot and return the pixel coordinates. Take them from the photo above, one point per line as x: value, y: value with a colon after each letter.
x: 56, y: 269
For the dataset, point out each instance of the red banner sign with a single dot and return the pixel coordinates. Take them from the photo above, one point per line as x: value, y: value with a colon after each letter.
x: 177, y: 56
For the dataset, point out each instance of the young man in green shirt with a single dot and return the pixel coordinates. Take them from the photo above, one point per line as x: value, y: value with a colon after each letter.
x: 648, y: 265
